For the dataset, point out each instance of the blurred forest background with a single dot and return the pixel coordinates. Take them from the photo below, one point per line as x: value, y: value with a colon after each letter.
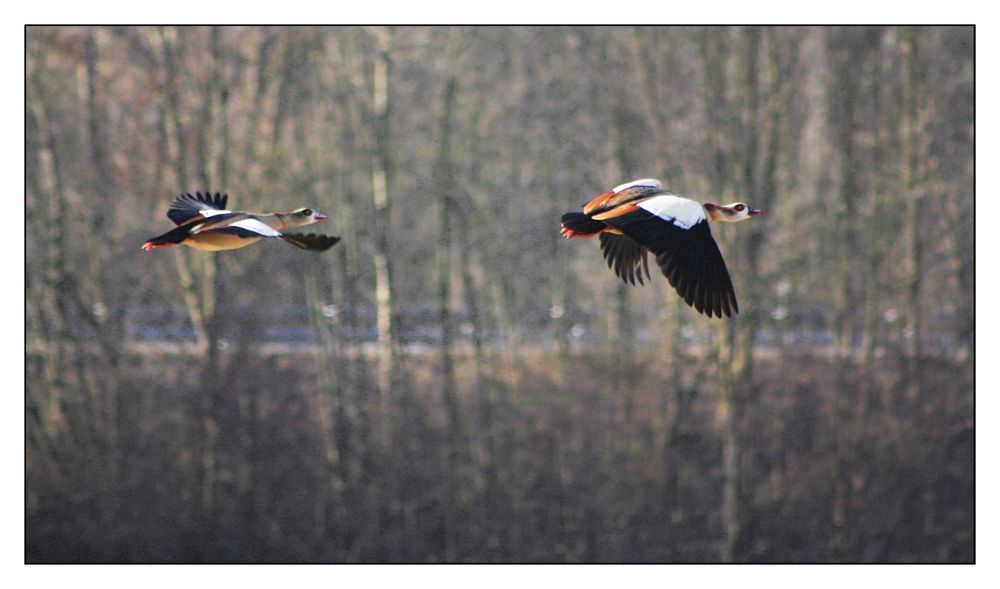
x: 454, y: 381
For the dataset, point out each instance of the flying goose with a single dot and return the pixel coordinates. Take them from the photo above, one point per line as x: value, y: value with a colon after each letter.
x: 641, y: 216
x: 204, y: 223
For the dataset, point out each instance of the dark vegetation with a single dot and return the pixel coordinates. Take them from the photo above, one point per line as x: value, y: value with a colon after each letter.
x: 548, y: 467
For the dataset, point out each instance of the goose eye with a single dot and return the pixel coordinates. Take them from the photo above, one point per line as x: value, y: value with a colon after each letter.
x: 739, y: 208
x: 307, y: 212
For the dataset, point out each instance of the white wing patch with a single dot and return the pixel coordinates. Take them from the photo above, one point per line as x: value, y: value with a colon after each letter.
x: 682, y: 212
x: 257, y: 227
x: 644, y: 182
x: 213, y: 212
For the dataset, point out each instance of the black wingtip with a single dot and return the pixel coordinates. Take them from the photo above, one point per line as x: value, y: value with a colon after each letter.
x: 313, y: 242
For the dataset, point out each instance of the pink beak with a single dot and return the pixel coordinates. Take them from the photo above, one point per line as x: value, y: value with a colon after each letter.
x: 320, y: 216
x: 753, y: 212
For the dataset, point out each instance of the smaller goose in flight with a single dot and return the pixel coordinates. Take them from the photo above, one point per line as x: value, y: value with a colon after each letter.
x: 204, y: 223
x: 640, y: 217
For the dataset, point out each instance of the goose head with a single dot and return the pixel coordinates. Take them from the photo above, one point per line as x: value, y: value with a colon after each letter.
x: 302, y: 216
x: 730, y: 213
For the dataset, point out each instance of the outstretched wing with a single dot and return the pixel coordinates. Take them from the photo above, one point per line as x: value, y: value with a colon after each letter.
x: 625, y: 257
x: 685, y: 251
x: 313, y: 242
x: 187, y: 208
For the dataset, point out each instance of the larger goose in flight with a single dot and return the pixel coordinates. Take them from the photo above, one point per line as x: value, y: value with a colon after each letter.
x: 641, y: 216
x: 204, y: 223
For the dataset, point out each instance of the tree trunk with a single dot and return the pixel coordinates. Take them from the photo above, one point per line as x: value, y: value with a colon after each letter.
x: 46, y: 182
x: 878, y: 213
x: 913, y: 154
x: 444, y: 187
x: 381, y: 197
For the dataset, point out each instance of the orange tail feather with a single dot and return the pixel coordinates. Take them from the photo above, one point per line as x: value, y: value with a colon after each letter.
x: 150, y: 245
